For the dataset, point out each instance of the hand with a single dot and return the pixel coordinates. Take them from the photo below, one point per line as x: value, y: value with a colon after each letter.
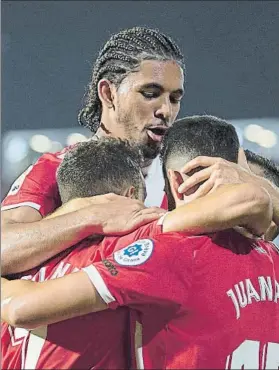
x: 78, y: 203
x: 117, y: 215
x: 217, y: 172
x: 121, y: 215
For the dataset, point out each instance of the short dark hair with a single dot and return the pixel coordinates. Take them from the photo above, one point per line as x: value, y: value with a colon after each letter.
x: 201, y: 135
x: 195, y: 136
x: 269, y: 168
x: 97, y: 167
x: 121, y: 55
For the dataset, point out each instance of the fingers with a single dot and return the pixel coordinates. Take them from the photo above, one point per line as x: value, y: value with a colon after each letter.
x: 114, y: 199
x: 153, y: 210
x: 144, y: 219
x: 147, y: 215
x: 195, y: 179
x: 202, y: 191
x: 200, y: 161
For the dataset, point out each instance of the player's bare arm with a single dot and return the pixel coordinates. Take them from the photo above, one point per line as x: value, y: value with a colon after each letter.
x: 28, y: 240
x: 246, y: 205
x: 67, y: 297
x: 219, y: 171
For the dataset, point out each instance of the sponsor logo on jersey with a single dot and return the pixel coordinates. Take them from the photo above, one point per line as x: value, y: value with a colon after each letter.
x: 110, y: 266
x: 135, y: 254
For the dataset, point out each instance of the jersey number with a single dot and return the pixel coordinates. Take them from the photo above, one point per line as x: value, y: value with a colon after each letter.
x: 32, y: 343
x: 247, y: 356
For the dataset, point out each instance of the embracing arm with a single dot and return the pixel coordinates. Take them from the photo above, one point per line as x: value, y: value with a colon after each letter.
x: 244, y: 205
x: 74, y: 295
x: 28, y: 240
x: 64, y: 298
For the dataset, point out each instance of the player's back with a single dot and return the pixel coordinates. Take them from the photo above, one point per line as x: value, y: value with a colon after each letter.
x: 99, y: 340
x: 96, y: 340
x: 232, y: 317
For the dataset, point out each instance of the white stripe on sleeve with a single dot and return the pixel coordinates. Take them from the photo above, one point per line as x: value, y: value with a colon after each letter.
x: 99, y: 283
x: 162, y: 219
x: 28, y: 204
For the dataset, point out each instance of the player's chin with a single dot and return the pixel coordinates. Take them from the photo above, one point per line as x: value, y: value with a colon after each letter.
x: 151, y: 151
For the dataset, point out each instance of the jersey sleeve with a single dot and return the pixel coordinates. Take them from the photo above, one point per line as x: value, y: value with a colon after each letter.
x: 157, y: 270
x: 36, y: 187
x: 146, y: 231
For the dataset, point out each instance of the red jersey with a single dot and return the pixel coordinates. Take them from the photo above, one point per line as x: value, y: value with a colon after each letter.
x: 97, y: 340
x: 202, y: 302
x: 37, y: 186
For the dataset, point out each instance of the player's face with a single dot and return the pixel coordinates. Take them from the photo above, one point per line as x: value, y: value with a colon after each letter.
x: 147, y: 103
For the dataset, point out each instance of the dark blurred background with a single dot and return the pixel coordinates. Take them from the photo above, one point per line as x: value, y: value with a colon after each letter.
x: 232, y: 60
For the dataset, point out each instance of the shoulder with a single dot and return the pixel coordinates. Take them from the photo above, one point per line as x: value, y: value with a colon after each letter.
x: 56, y: 157
x: 180, y: 238
x: 47, y: 164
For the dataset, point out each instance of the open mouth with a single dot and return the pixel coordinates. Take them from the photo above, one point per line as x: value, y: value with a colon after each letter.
x: 156, y: 133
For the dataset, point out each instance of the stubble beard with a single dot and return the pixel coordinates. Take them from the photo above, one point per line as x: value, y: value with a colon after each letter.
x: 149, y: 149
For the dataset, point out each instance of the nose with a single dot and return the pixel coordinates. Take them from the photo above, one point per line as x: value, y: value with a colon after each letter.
x: 164, y: 112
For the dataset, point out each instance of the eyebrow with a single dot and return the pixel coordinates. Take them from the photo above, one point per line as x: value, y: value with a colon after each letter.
x: 153, y: 85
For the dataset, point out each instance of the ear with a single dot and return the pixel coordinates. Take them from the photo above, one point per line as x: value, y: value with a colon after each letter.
x: 271, y: 232
x: 242, y: 160
x: 175, y: 180
x: 129, y: 192
x: 106, y: 93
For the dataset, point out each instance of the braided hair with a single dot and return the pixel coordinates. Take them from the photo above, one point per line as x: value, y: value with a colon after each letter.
x: 121, y: 55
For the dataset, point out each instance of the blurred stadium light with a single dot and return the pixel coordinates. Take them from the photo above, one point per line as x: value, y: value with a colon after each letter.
x: 23, y: 147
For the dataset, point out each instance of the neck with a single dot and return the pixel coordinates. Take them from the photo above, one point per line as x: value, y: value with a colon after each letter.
x: 103, y: 131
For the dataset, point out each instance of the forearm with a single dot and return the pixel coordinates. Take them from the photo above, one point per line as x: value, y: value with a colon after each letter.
x: 10, y: 289
x: 26, y: 245
x: 227, y: 207
x: 24, y: 308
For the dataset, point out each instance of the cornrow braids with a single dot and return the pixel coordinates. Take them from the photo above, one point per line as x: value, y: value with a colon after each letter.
x: 121, y: 55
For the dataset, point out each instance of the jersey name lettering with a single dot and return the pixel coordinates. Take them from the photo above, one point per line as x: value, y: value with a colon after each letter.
x: 244, y: 292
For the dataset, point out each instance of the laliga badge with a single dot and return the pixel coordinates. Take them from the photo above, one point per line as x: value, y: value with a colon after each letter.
x: 135, y: 254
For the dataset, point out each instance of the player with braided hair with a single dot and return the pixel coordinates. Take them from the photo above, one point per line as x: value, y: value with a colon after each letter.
x: 124, y: 57
x: 134, y: 94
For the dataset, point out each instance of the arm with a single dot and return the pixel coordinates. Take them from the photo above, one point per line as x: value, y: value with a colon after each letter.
x: 218, y: 172
x: 21, y: 300
x: 230, y: 205
x: 29, y: 304
x: 28, y: 240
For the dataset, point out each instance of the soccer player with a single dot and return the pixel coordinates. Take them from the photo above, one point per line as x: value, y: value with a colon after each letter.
x: 217, y: 171
x: 134, y: 94
x: 31, y: 312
